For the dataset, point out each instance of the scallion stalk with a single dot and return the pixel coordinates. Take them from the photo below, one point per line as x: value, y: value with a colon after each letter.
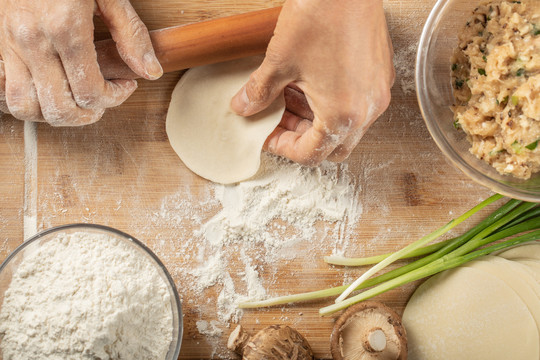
x: 415, y: 245
x: 441, y: 264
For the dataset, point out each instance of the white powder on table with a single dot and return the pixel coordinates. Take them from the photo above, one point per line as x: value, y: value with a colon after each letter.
x: 256, y: 225
x: 86, y: 296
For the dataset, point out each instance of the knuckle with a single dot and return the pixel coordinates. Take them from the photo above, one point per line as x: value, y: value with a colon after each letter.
x: 57, y: 116
x: 59, y: 30
x: 58, y: 113
x: 311, y: 161
x: 63, y: 25
x: 346, y: 119
x: 258, y: 88
x: 90, y: 117
x: 21, y: 106
x: 27, y: 34
x: 88, y: 99
x: 136, y: 27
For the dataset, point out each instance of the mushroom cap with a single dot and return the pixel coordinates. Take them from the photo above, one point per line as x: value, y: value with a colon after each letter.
x: 369, y: 330
x: 277, y: 342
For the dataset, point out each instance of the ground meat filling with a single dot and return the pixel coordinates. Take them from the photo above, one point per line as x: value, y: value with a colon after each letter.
x: 496, y: 81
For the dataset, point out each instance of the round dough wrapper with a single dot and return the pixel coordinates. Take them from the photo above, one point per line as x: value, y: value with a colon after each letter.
x: 516, y: 277
x: 207, y: 135
x: 466, y: 313
x: 528, y: 250
x: 532, y: 265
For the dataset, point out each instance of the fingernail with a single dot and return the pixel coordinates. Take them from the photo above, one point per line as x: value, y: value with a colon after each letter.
x: 152, y: 66
x: 241, y: 101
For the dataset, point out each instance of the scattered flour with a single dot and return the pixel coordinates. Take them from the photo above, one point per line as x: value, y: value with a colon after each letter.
x: 209, y: 328
x: 255, y: 224
x: 404, y: 64
x: 85, y: 296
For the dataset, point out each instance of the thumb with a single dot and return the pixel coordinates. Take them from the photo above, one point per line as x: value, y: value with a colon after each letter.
x: 264, y: 85
x: 131, y: 37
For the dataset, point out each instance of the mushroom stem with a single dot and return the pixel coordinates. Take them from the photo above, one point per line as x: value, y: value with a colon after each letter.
x: 375, y: 340
x: 238, y: 340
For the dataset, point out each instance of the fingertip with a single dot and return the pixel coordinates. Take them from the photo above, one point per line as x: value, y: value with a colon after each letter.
x: 240, y: 102
x: 122, y: 90
x: 152, y: 67
x: 131, y: 85
x: 272, y: 140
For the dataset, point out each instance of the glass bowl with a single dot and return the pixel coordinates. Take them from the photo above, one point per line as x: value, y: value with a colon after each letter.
x: 434, y: 91
x: 10, y: 265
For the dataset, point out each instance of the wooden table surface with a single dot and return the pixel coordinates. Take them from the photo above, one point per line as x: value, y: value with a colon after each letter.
x: 118, y: 172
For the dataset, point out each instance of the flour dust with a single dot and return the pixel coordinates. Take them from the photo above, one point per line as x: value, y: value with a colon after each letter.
x: 232, y: 254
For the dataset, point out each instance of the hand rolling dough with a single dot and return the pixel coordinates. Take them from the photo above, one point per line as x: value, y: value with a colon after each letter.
x: 209, y: 138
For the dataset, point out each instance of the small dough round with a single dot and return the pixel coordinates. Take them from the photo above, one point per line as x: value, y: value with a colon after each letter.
x: 529, y: 250
x: 516, y: 276
x: 207, y: 135
x: 466, y: 313
x: 532, y: 265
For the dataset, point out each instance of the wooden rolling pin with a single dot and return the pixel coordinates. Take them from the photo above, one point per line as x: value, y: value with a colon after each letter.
x: 206, y: 42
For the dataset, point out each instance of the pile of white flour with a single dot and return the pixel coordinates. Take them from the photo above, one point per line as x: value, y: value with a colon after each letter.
x: 86, y: 296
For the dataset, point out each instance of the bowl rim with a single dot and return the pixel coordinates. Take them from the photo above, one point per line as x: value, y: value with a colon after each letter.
x: 435, y: 131
x: 120, y: 233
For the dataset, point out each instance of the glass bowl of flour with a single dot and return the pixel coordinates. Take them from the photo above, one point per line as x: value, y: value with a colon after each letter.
x: 87, y: 292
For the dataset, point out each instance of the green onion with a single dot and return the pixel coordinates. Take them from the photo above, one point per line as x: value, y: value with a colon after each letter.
x: 520, y: 72
x: 532, y: 145
x: 454, y: 67
x: 417, y: 244
x: 518, y: 149
x: 444, y: 263
x: 482, y: 72
x: 459, y: 83
x: 484, y: 58
x: 515, y: 100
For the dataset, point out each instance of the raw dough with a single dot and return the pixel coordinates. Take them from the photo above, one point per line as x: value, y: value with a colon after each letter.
x: 209, y: 138
x: 532, y: 265
x: 527, y: 250
x: 466, y: 313
x: 515, y: 276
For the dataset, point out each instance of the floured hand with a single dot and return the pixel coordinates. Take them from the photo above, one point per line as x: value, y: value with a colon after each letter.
x: 50, y: 71
x: 336, y: 54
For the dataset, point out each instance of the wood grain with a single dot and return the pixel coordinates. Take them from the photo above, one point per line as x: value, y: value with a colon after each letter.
x: 118, y: 171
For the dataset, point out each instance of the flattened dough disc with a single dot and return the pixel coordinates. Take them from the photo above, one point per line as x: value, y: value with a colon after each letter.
x: 466, y: 313
x: 516, y: 276
x: 209, y: 138
x: 529, y: 250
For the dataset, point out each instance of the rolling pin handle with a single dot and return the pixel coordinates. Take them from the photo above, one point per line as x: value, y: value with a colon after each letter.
x: 202, y: 43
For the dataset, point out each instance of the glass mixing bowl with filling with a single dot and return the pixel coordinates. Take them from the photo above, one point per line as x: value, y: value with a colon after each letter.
x: 496, y: 82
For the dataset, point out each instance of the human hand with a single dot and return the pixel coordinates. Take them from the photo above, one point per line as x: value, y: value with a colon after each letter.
x: 50, y: 70
x: 337, y: 54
